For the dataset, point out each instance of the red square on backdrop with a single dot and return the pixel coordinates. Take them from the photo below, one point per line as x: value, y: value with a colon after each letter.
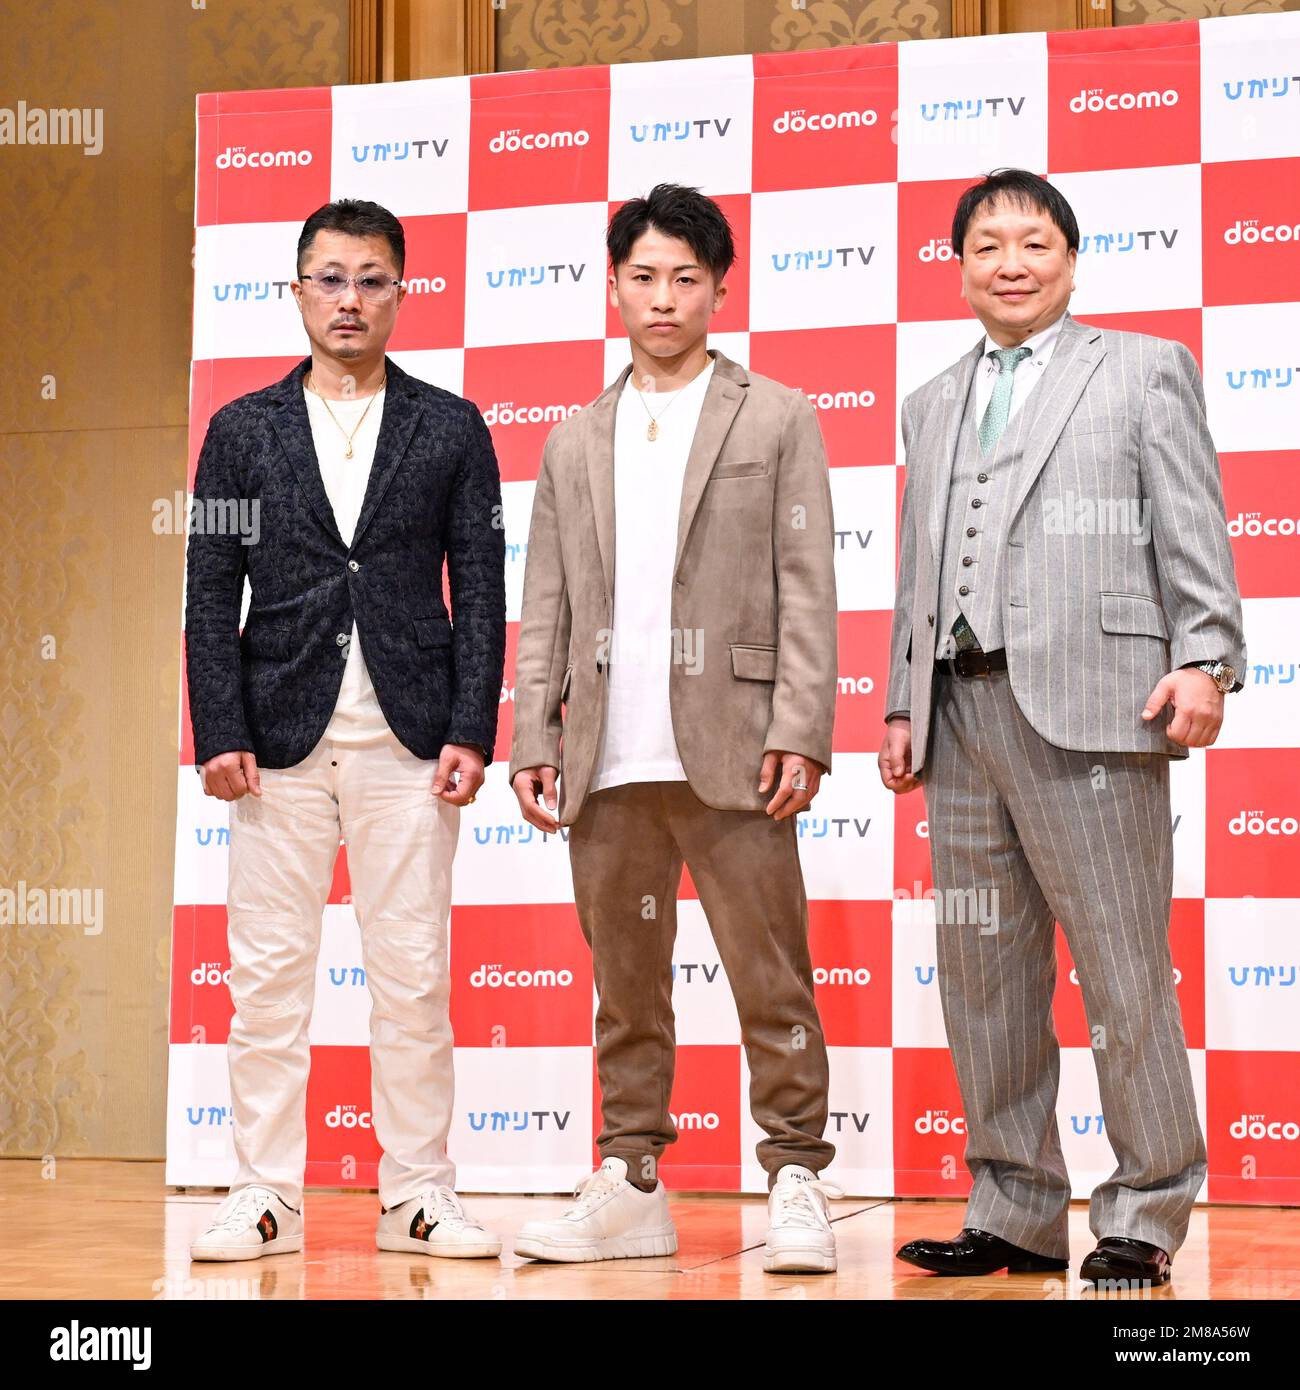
x: 1178, y: 325
x: 1252, y: 822
x: 263, y: 156
x: 433, y: 313
x: 539, y: 138
x: 733, y: 317
x: 852, y: 955
x: 1250, y: 231
x: 520, y: 977
x: 525, y: 390
x: 705, y: 1105
x: 1126, y: 98
x: 1261, y: 494
x: 1186, y: 944
x: 201, y: 1007
x: 1253, y: 1126
x: 342, y: 1148
x: 863, y: 673
x: 848, y: 374
x: 826, y: 117
x: 929, y: 1125
x: 929, y: 273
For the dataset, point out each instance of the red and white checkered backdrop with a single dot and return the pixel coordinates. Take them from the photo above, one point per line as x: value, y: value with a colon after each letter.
x: 1179, y: 147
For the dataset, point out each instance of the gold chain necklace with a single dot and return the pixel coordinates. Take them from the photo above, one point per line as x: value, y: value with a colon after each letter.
x: 348, y: 437
x: 652, y: 430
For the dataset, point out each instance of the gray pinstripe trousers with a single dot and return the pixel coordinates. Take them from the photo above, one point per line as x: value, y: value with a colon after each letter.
x: 1084, y: 839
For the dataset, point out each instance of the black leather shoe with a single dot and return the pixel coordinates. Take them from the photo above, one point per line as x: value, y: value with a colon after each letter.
x: 1122, y: 1257
x: 976, y: 1252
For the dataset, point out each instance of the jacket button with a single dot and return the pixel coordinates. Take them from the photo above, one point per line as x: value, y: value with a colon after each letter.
x: 970, y: 530
x: 963, y: 591
x: 966, y: 560
x: 977, y: 503
x: 929, y: 617
x: 353, y: 566
x: 984, y: 477
x: 342, y: 639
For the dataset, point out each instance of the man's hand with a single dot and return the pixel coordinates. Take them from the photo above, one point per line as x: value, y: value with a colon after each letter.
x: 456, y: 757
x: 229, y: 775
x: 531, y: 782
x: 1198, y: 707
x: 896, y: 757
x: 800, y: 778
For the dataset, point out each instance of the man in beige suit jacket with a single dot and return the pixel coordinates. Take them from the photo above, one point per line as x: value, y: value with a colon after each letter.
x: 679, y: 608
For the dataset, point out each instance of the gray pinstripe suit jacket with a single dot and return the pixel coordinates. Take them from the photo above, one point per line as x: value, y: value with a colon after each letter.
x: 1114, y: 429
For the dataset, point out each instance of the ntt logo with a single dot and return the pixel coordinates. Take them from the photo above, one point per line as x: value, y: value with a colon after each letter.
x: 795, y: 122
x: 508, y: 413
x: 1250, y: 231
x: 937, y: 1122
x: 936, y: 249
x: 240, y: 157
x: 1257, y: 524
x: 1252, y: 823
x: 509, y: 141
x: 349, y: 1118
x: 493, y: 977
x: 1257, y: 1127
x: 1096, y: 99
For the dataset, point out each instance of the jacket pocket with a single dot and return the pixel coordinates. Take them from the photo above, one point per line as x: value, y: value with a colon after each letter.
x: 432, y: 632
x: 753, y: 663
x: 739, y: 468
x: 273, y: 640
x: 1133, y: 613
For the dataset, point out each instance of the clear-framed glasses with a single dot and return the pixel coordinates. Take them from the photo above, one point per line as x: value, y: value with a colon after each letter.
x: 373, y: 288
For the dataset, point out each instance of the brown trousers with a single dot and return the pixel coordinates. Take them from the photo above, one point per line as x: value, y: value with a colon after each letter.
x: 626, y: 851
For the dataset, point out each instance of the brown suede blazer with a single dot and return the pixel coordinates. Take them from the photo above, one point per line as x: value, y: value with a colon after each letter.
x: 754, y: 587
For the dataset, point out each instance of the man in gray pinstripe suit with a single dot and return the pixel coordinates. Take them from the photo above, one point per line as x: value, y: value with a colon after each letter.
x: 1067, y: 622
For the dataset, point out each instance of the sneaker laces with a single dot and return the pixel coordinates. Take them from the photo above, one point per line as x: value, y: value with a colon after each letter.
x: 798, y: 1207
x: 247, y: 1208
x: 444, y: 1206
x: 592, y: 1189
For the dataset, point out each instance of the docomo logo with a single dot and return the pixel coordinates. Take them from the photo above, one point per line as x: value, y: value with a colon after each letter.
x: 496, y: 978
x: 795, y: 122
x: 937, y: 1122
x: 936, y: 249
x: 1250, y: 231
x: 841, y: 975
x: 1246, y: 823
x: 508, y: 413
x: 692, y: 1119
x: 351, y: 1118
x: 508, y: 141
x: 239, y: 157
x: 1257, y: 524
x: 1092, y: 99
x: 210, y: 973
x: 1257, y: 1127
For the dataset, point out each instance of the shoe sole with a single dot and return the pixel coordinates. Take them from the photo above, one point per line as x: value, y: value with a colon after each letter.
x: 1016, y: 1267
x: 805, y: 1261
x: 611, y: 1248
x: 282, y: 1245
x: 1131, y: 1276
x: 408, y: 1245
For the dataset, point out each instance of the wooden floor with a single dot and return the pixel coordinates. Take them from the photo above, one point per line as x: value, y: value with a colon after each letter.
x: 113, y: 1230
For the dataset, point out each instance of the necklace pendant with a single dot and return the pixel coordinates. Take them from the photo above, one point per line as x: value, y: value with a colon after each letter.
x: 652, y: 431
x: 347, y: 454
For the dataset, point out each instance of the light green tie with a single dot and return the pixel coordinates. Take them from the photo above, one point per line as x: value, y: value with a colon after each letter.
x: 998, y: 411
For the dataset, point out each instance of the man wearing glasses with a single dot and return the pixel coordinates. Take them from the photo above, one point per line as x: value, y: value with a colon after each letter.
x: 350, y: 703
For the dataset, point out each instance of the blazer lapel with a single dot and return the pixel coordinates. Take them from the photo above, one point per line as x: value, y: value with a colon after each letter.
x: 722, y: 399
x: 1050, y: 404
x: 293, y: 428
x: 599, y: 449
x: 402, y: 411
x: 963, y: 373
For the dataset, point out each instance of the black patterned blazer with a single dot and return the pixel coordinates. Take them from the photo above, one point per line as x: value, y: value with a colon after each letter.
x: 434, y: 491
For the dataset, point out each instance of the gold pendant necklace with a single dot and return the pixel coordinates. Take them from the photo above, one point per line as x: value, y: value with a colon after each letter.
x: 347, y: 453
x: 652, y: 429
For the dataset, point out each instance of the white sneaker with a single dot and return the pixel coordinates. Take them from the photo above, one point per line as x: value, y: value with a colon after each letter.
x: 435, y: 1223
x: 251, y: 1222
x: 611, y: 1220
x: 799, y: 1235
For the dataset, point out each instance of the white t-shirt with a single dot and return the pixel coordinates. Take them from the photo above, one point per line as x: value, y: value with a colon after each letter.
x: 638, y: 743
x: 357, y: 717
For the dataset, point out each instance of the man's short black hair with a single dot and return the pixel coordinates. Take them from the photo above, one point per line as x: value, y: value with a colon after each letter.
x: 354, y: 217
x: 1022, y: 189
x: 676, y: 211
